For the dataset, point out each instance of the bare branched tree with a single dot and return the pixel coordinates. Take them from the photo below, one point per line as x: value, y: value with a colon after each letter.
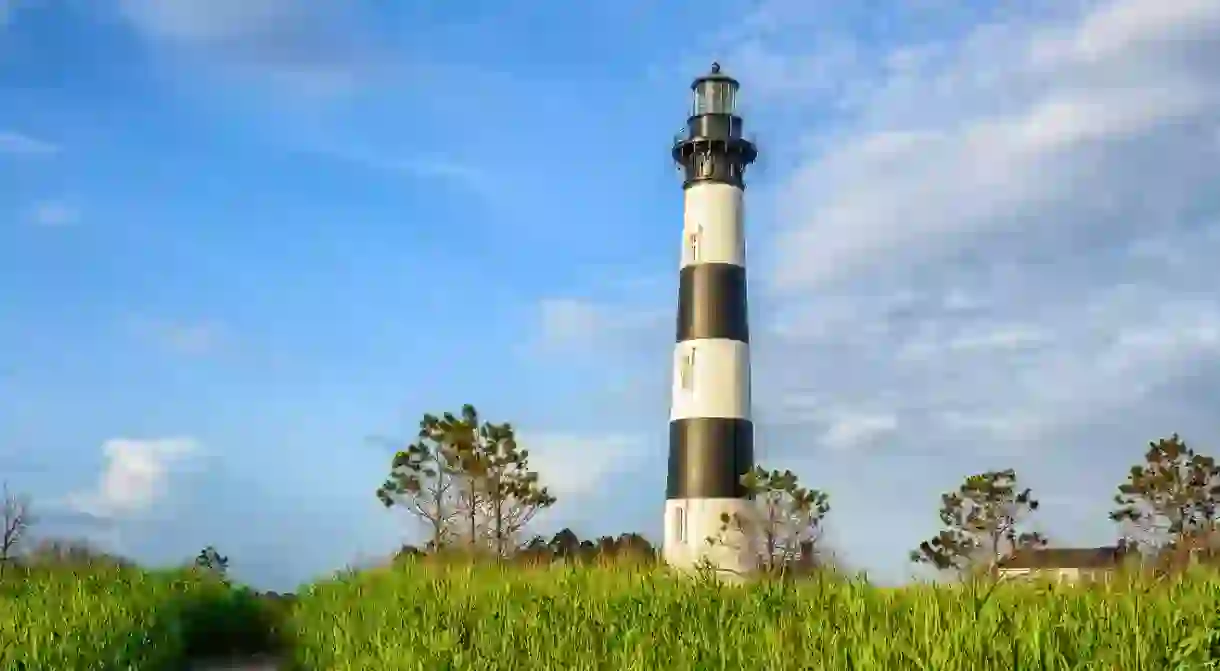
x: 786, y: 522
x: 17, y: 519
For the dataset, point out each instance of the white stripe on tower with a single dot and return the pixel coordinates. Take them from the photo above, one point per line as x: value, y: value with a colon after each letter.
x: 710, y: 432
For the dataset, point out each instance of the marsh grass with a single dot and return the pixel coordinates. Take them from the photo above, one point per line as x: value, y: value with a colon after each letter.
x: 417, y: 616
x: 109, y: 617
x: 422, y: 615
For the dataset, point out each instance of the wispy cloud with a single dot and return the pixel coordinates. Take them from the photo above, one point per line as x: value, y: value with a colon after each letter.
x: 580, y: 323
x: 412, y: 167
x: 846, y: 428
x: 12, y: 142
x: 1039, y: 140
x: 311, y: 48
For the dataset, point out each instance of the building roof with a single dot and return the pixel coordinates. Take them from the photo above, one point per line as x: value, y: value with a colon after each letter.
x: 1054, y: 558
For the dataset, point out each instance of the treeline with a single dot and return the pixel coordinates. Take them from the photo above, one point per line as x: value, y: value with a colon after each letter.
x: 566, y: 546
x: 471, y: 486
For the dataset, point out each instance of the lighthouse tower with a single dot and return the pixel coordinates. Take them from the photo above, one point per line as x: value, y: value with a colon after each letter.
x: 711, y: 437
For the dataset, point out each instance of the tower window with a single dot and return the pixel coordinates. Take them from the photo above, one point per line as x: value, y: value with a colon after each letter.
x: 693, y: 242
x: 680, y: 524
x: 687, y: 370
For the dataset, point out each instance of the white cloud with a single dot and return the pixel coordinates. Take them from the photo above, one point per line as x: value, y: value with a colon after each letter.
x: 854, y: 430
x: 575, y: 322
x: 135, y: 477
x: 214, y: 21
x: 574, y: 465
x: 54, y: 214
x: 311, y: 48
x: 12, y: 142
x: 1017, y: 128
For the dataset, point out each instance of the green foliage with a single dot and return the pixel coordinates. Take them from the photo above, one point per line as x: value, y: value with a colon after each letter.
x: 109, y: 617
x: 490, y: 615
x: 466, y: 478
x: 982, y: 522
x: 220, y: 620
x: 1200, y: 649
x: 565, y: 545
x: 1173, y: 497
x: 420, y: 616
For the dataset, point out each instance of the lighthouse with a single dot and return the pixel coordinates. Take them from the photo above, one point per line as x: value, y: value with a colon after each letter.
x: 711, y: 437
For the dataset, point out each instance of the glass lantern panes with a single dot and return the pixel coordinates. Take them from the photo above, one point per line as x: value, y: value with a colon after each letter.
x: 715, y: 96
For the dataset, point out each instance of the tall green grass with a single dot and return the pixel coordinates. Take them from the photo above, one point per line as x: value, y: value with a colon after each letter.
x: 420, y: 615
x: 106, y: 617
x: 427, y: 617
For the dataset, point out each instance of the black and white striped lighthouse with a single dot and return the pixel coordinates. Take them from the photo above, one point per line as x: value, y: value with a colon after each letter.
x: 711, y: 437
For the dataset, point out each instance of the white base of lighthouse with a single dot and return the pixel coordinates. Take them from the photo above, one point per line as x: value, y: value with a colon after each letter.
x: 690, y: 523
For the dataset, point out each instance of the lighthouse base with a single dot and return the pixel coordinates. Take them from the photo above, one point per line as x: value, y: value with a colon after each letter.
x: 696, y: 535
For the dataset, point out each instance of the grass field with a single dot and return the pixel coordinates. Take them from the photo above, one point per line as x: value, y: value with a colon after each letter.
x: 417, y: 616
x: 106, y: 617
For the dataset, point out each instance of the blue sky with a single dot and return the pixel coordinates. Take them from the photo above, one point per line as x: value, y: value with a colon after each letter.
x: 238, y: 238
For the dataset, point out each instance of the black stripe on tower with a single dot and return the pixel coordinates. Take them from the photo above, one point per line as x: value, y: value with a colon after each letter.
x: 708, y: 456
x: 712, y: 302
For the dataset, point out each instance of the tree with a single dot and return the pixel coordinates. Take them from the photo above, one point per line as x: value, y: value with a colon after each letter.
x: 983, y: 521
x: 17, y: 520
x: 459, y: 436
x: 635, y: 547
x: 1171, y: 500
x: 786, y: 522
x: 211, y: 560
x: 467, y: 479
x: 564, y: 544
x: 424, y: 479
x: 510, y: 493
